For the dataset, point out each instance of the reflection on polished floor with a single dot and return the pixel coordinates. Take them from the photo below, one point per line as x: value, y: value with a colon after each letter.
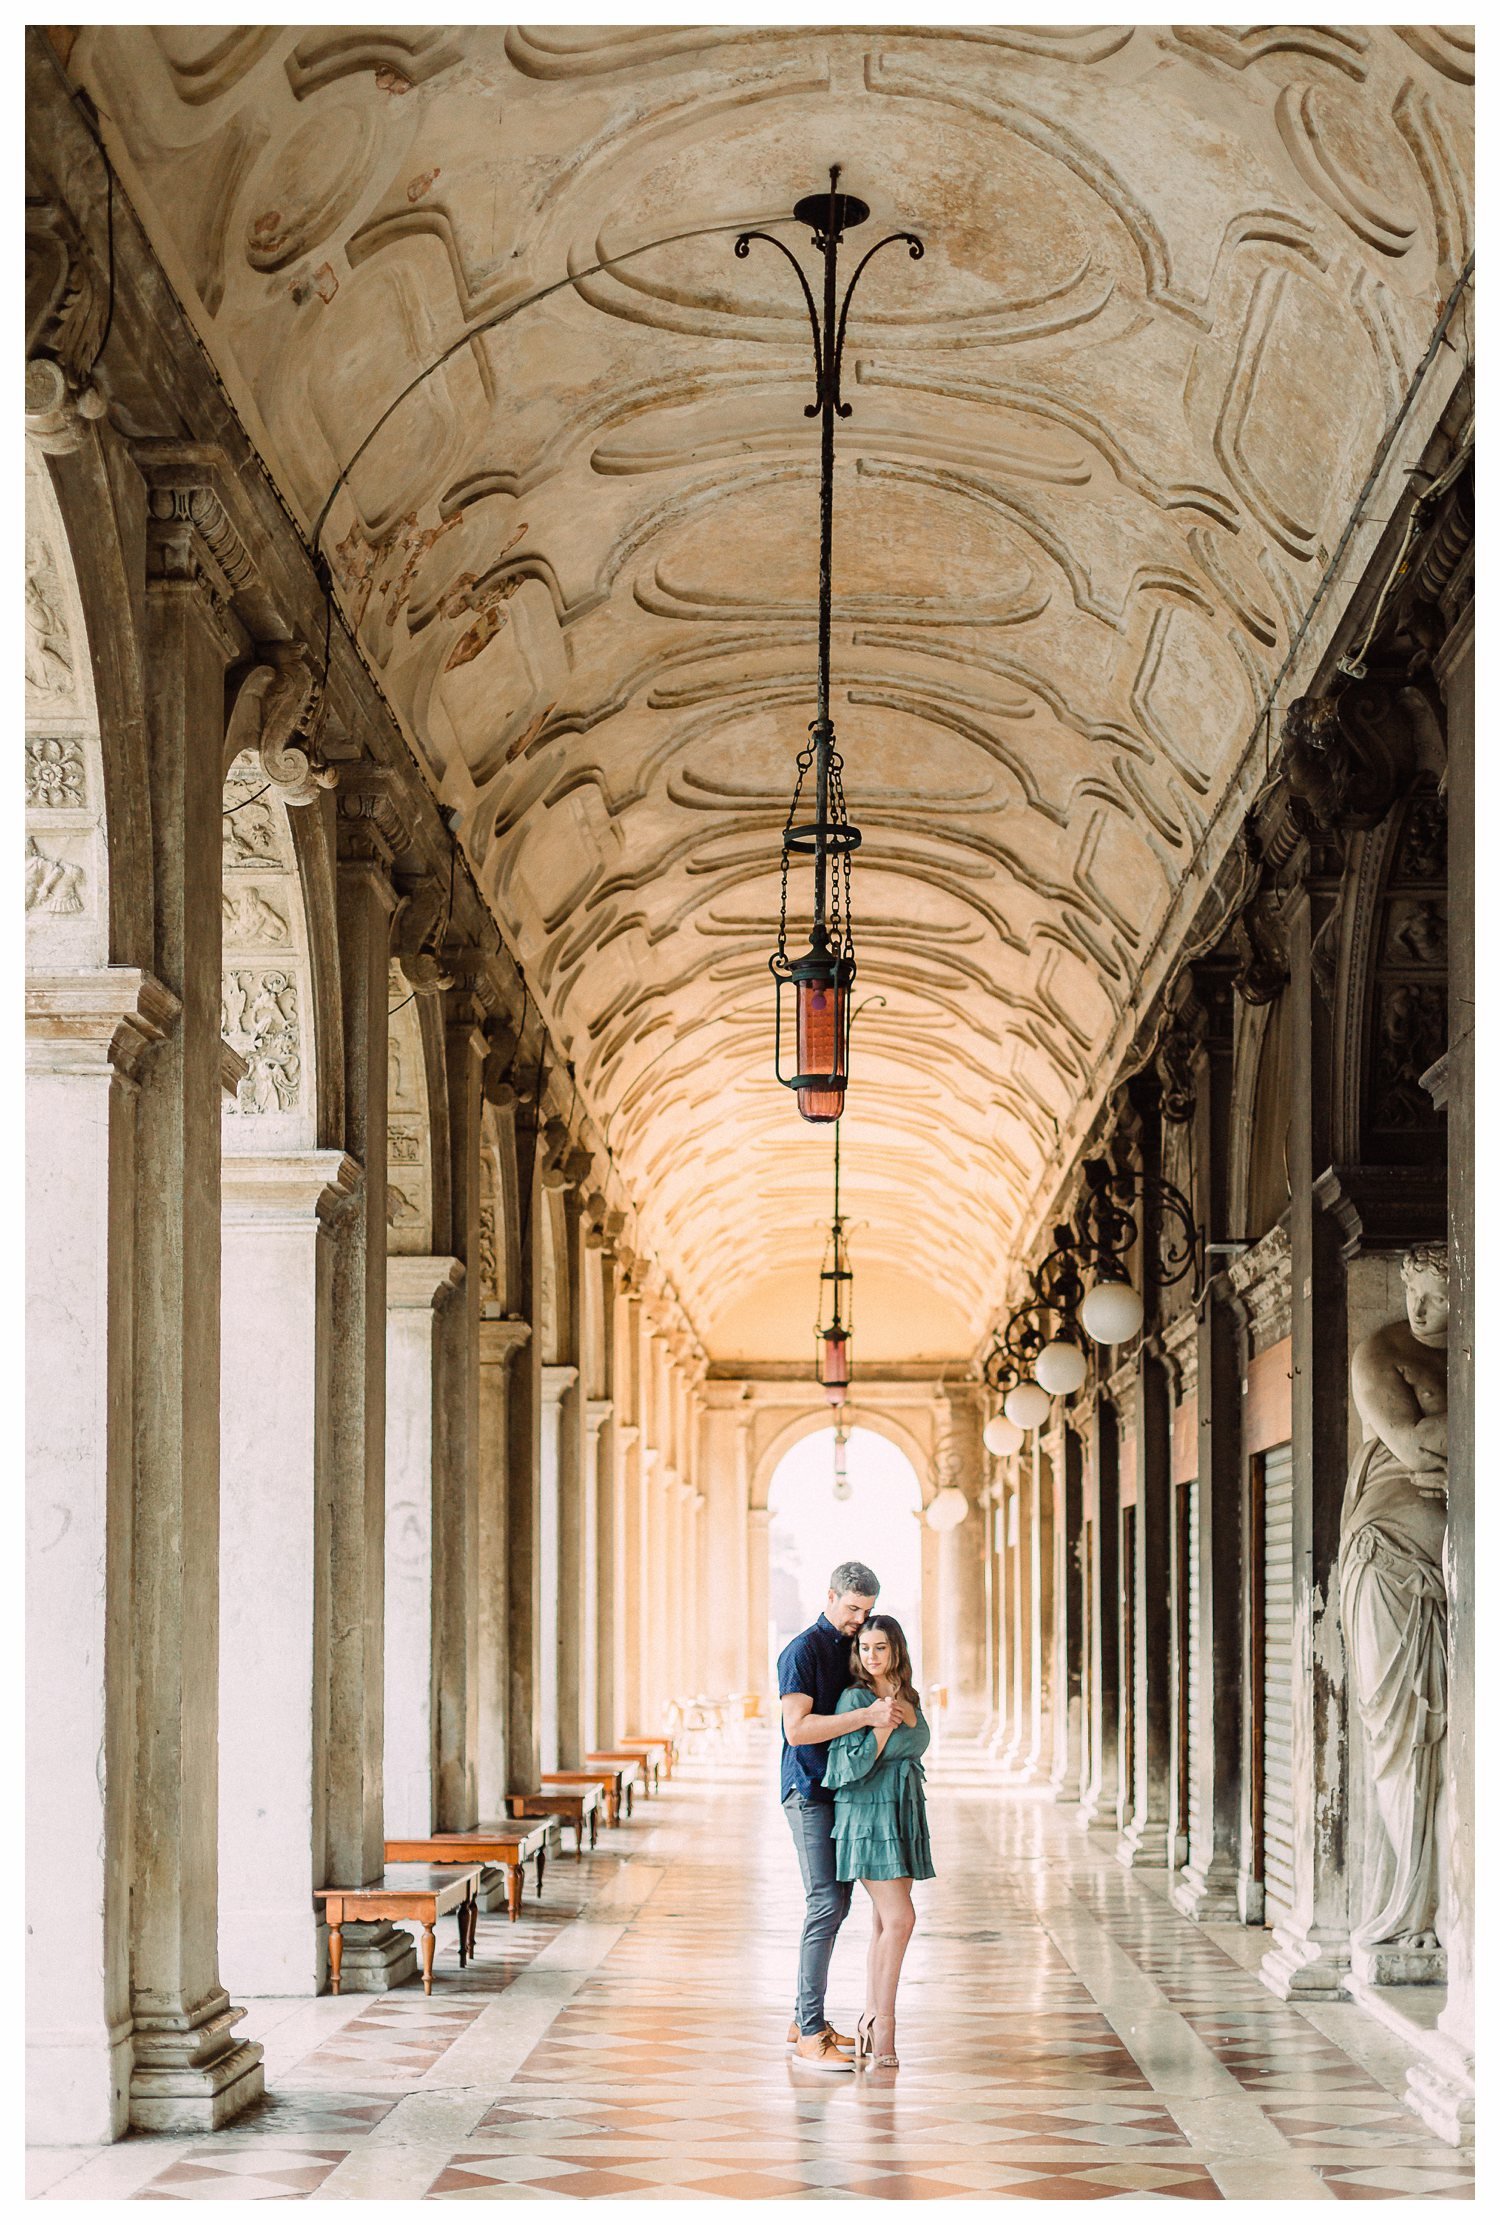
x: 1065, y: 2035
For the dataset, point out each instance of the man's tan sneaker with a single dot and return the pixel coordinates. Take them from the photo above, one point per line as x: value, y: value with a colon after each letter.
x: 838, y: 2038
x: 820, y: 2053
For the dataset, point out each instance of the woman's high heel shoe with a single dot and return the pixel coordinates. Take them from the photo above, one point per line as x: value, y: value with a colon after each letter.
x: 864, y: 2038
x: 884, y: 2062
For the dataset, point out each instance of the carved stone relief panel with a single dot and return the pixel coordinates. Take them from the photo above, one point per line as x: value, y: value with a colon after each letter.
x: 266, y: 994
x: 408, y: 1170
x: 64, y: 881
x: 1408, y: 993
x: 1262, y: 1279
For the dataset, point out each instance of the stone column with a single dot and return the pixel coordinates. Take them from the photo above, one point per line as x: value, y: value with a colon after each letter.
x: 456, y: 1563
x: 1096, y: 1810
x: 1144, y: 1839
x: 498, y: 1343
x: 598, y: 1724
x: 376, y: 1956
x: 726, y: 1477
x: 87, y: 1037
x: 1207, y: 1888
x: 630, y: 1620
x: 608, y: 1686
x: 1002, y: 1679
x: 570, y: 1625
x: 1039, y: 1586
x: 962, y: 1576
x: 1067, y: 1595
x: 1442, y: 2090
x: 189, y: 2072
x: 557, y: 1628
x: 417, y: 1452
x: 524, y: 1478
x: 758, y: 1604
x: 654, y: 1679
x: 1311, y: 1951
x: 279, y: 1217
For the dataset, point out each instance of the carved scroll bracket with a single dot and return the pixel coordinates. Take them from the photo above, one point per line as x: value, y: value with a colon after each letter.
x: 272, y: 715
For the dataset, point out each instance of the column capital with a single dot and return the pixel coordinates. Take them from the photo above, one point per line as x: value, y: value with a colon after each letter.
x: 597, y: 1413
x: 372, y: 829
x: 77, y: 1023
x: 650, y: 1459
x: 287, y: 1189
x: 417, y: 1282
x: 498, y: 1340
x: 759, y: 1518
x: 627, y: 1434
x: 556, y: 1378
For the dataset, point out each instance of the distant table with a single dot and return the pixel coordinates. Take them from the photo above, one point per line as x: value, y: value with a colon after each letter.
x: 502, y: 1846
x: 663, y: 1739
x: 575, y: 1804
x: 609, y: 1776
x: 407, y: 1892
x: 652, y: 1754
x: 634, y: 1770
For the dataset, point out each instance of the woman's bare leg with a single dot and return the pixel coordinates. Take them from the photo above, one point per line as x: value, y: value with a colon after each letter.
x: 875, y: 1931
x: 896, y: 1917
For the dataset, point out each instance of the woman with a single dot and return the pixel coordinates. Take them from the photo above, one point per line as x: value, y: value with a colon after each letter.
x: 880, y: 1820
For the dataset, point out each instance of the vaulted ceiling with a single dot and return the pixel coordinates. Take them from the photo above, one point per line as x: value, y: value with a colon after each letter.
x: 1103, y: 440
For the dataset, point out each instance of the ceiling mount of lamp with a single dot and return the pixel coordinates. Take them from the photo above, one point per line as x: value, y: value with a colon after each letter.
x: 1040, y: 1354
x: 835, y: 1303
x: 823, y: 976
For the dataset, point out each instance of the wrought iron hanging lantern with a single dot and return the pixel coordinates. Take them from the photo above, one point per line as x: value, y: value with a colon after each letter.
x: 836, y: 1304
x: 822, y: 978
x: 842, y: 1488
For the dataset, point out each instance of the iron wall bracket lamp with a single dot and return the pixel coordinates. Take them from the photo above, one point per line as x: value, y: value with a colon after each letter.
x: 822, y: 978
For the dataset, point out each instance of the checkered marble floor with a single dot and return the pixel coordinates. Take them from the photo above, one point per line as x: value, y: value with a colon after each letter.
x: 1064, y: 2036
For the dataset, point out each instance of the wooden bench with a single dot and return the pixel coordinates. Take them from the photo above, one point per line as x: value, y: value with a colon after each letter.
x: 575, y: 1804
x: 609, y: 1776
x: 499, y: 1846
x: 633, y: 1771
x: 651, y: 1753
x: 407, y: 1892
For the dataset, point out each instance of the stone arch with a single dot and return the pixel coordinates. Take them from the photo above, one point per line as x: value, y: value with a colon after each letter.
x: 67, y: 844
x: 892, y: 1427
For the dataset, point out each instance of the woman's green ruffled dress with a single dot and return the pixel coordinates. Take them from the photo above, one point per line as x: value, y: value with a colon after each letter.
x: 879, y: 1810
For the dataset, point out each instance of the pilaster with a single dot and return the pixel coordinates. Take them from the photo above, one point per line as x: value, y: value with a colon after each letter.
x: 560, y: 1631
x: 499, y: 1341
x: 88, y: 1039
x: 278, y: 1214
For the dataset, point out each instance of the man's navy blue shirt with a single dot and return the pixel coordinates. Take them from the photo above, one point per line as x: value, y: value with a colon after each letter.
x: 816, y: 1663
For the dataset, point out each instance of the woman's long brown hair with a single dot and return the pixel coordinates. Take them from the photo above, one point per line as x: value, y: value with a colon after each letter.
x: 900, y: 1658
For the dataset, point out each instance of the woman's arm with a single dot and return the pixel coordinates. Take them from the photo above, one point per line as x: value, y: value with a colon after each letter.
x: 803, y: 1728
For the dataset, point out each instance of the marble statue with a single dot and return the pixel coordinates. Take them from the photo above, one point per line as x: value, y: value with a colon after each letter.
x: 1394, y: 1607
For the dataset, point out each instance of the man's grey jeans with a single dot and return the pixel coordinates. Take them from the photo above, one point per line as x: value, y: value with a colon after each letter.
x: 827, y: 1904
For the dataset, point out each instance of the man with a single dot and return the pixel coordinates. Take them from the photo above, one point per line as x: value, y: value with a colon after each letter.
x: 811, y: 1673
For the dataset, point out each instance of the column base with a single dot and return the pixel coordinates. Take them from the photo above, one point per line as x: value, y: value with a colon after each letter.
x: 1398, y: 1966
x: 1302, y: 1967
x: 190, y: 2075
x: 492, y: 1892
x: 1208, y: 1896
x: 1142, y: 1846
x: 377, y: 1958
x: 1444, y: 2100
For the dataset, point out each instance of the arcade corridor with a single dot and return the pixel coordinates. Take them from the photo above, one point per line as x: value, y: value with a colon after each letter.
x: 626, y: 2044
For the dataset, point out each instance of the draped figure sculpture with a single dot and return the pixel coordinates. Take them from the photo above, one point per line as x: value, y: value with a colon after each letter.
x: 1394, y: 1608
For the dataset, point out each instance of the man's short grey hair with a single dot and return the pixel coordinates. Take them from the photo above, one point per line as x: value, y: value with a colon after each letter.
x: 854, y: 1576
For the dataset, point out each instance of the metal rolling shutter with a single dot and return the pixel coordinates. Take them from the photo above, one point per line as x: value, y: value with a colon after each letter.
x: 1278, y: 1682
x: 1197, y: 1849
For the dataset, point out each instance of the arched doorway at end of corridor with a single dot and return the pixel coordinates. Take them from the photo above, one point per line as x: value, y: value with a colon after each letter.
x: 812, y: 1530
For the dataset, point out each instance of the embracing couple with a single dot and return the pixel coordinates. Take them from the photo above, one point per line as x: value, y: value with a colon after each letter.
x: 852, y: 1733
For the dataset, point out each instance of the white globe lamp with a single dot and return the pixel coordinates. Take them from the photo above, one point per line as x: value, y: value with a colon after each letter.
x: 1027, y: 1406
x: 1112, y: 1312
x: 1001, y: 1436
x: 1061, y: 1367
x: 947, y: 1509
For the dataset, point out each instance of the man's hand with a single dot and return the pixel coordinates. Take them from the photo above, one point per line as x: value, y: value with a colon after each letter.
x: 881, y: 1715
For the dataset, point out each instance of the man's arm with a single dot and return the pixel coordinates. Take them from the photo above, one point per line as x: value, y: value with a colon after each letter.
x: 803, y: 1728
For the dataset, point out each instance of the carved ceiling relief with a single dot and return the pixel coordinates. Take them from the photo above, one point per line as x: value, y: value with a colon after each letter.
x: 66, y: 856
x: 408, y: 1172
x: 1178, y: 279
x: 266, y: 995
